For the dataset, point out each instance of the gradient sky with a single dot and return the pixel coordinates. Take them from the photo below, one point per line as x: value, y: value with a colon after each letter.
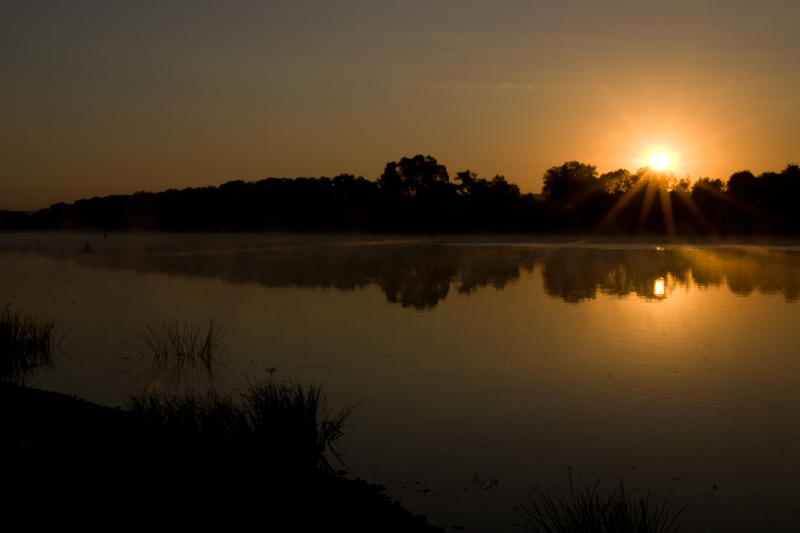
x: 101, y: 98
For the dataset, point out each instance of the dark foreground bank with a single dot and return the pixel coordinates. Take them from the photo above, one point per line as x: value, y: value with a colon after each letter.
x: 71, y: 461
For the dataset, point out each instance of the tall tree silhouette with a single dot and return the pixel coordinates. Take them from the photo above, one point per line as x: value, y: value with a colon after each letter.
x: 570, y: 183
x: 417, y: 177
x: 619, y: 181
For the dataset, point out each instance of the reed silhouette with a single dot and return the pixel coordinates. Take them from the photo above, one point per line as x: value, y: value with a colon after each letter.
x: 181, y: 354
x: 29, y: 343
x: 588, y: 510
x: 281, y: 420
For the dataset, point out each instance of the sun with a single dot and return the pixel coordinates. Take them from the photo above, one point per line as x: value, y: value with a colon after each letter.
x: 659, y: 161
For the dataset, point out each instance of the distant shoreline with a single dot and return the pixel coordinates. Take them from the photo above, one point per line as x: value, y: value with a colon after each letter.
x: 417, y: 196
x: 273, y: 238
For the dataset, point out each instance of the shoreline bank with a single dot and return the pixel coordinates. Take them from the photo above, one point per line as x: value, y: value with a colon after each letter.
x: 73, y: 460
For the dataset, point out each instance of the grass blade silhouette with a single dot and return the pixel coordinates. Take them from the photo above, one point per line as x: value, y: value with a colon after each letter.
x: 590, y: 511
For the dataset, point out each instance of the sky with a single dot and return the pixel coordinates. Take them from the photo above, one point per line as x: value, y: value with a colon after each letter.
x: 100, y: 98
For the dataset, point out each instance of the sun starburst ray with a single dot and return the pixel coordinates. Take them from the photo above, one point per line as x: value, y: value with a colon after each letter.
x: 666, y: 210
x: 695, y: 210
x: 626, y: 199
x: 647, y: 205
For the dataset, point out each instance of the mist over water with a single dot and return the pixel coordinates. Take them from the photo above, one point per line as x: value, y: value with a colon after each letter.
x: 672, y: 368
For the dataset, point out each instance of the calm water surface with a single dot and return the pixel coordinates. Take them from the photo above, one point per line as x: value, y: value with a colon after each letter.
x: 675, y: 370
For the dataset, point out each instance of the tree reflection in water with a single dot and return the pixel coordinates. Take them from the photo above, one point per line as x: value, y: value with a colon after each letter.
x: 422, y: 275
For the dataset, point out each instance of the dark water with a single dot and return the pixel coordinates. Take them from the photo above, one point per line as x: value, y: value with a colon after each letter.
x: 676, y: 369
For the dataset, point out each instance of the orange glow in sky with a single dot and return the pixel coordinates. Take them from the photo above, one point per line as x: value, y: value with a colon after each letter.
x: 133, y: 96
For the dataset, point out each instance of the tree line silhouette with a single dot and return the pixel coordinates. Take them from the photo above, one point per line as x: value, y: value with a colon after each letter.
x: 417, y: 195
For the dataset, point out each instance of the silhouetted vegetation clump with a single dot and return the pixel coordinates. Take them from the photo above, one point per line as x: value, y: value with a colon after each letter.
x: 28, y: 343
x: 590, y: 511
x: 181, y: 354
x: 277, y: 419
x: 282, y: 420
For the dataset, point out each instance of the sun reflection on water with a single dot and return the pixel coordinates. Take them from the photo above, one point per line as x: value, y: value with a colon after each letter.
x: 660, y: 287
